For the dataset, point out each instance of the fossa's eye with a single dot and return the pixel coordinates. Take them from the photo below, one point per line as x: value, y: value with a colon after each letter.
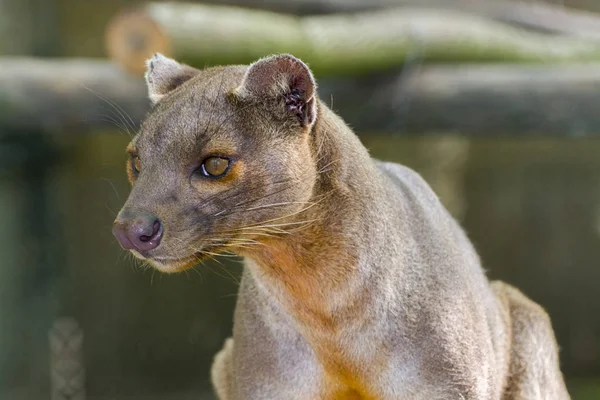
x: 136, y: 165
x: 215, y: 167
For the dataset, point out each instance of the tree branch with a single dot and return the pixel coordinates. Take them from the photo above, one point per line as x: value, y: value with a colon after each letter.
x: 72, y: 96
x: 332, y: 44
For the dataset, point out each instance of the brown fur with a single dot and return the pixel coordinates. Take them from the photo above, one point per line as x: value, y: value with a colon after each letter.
x: 358, y: 284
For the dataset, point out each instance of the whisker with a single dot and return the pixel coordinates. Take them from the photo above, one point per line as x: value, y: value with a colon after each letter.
x: 116, y: 121
x: 117, y: 118
x: 152, y: 277
x: 195, y: 269
x: 106, y: 118
x: 114, y: 214
x: 284, y: 224
x: 286, y: 216
x: 230, y: 276
x: 269, y: 194
x: 287, y: 203
x: 115, y: 106
x: 110, y: 182
x: 272, y: 193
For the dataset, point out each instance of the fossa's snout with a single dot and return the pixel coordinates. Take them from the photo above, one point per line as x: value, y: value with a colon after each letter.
x: 142, y: 232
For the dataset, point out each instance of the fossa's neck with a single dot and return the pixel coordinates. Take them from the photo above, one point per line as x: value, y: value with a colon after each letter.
x: 321, y: 271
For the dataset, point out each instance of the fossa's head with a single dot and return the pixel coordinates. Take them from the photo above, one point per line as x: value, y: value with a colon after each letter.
x: 221, y: 161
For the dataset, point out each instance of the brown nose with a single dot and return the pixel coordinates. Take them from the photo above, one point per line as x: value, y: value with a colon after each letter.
x: 141, y: 233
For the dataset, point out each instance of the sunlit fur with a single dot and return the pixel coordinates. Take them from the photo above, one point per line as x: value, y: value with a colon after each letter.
x: 358, y: 284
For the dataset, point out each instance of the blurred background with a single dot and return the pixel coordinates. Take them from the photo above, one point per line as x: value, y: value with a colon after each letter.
x: 493, y: 102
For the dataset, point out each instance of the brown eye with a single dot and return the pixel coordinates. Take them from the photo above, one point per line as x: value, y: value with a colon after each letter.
x: 215, y: 166
x: 136, y: 165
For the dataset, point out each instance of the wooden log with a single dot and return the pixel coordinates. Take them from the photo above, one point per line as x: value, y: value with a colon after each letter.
x: 72, y: 96
x: 200, y: 34
x: 68, y: 95
x: 537, y: 15
x: 542, y: 16
x: 474, y: 100
x: 308, y: 7
x: 502, y: 10
x: 353, y: 44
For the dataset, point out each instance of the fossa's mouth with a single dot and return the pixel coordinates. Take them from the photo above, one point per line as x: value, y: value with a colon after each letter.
x: 169, y: 266
x: 172, y: 265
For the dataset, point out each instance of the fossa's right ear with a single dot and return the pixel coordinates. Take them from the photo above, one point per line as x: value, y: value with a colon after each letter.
x: 164, y: 74
x: 283, y: 76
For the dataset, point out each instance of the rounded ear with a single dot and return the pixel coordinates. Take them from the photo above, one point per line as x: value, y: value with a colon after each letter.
x: 283, y: 76
x: 164, y: 74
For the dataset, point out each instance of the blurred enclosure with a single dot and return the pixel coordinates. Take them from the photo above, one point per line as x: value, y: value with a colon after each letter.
x: 494, y: 102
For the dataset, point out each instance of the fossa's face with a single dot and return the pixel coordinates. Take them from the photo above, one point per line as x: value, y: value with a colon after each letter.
x: 223, y: 161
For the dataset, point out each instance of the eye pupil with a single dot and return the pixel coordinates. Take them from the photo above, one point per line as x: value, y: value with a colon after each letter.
x: 215, y: 166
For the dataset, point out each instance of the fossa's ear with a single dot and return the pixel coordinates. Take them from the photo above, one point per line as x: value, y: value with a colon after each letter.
x: 283, y: 76
x: 164, y: 74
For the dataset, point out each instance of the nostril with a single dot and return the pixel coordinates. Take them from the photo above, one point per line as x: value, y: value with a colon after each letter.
x: 156, y: 233
x: 143, y: 233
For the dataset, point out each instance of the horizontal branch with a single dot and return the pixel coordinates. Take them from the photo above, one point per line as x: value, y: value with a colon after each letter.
x: 536, y: 15
x: 66, y: 95
x: 474, y: 100
x: 348, y: 44
x: 72, y: 96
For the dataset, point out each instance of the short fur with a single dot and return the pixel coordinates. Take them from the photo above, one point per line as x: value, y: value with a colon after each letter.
x: 358, y: 283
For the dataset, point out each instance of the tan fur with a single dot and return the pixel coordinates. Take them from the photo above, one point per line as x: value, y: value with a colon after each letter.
x: 358, y: 283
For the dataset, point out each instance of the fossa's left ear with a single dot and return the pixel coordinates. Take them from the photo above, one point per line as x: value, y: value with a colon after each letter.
x: 283, y: 76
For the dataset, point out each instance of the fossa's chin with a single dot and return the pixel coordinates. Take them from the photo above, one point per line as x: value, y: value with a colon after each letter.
x: 172, y: 265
